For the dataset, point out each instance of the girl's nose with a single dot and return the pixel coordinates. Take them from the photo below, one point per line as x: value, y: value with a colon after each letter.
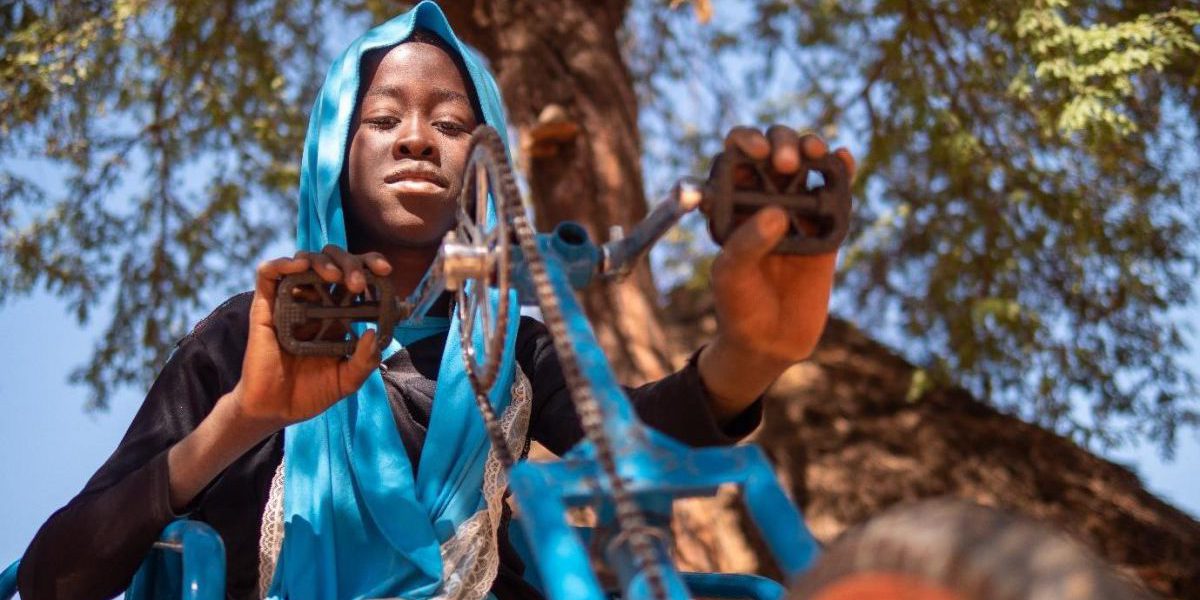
x: 415, y: 141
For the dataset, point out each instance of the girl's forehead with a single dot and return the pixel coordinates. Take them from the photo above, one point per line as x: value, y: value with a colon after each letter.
x: 418, y: 67
x: 412, y: 64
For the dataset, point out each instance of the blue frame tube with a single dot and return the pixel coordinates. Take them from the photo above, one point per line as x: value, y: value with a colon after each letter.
x: 8, y: 580
x: 203, y: 559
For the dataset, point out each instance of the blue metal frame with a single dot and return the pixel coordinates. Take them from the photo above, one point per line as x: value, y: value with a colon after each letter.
x: 189, y: 557
x: 733, y: 585
x: 8, y: 581
x: 656, y: 469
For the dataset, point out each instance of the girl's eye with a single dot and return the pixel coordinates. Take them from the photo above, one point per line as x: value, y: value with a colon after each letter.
x: 450, y: 127
x: 383, y: 122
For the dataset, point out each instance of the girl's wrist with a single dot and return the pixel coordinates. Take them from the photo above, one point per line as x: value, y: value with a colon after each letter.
x: 251, y: 423
x: 735, y: 376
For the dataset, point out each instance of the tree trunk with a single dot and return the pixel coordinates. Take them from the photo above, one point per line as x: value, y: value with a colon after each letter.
x: 566, y: 53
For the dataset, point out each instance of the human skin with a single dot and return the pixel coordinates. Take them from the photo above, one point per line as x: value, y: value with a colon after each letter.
x: 771, y: 308
x: 408, y: 149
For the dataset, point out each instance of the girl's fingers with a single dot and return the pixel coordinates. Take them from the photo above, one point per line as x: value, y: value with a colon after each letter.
x: 848, y: 160
x: 360, y: 365
x: 269, y: 272
x: 749, y: 141
x: 323, y: 266
x: 813, y: 146
x: 785, y: 149
x: 351, y: 266
x: 756, y: 238
x: 377, y: 264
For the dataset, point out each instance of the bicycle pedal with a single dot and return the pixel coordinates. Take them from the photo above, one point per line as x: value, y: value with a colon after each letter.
x: 816, y: 199
x: 314, y: 317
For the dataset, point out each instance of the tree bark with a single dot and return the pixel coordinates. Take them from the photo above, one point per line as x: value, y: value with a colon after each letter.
x: 566, y: 53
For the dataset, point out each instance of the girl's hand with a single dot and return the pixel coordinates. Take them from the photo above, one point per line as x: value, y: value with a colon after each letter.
x: 771, y: 308
x: 278, y: 388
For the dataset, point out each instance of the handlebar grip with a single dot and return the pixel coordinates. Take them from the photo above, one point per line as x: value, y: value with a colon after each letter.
x: 819, y: 217
x: 306, y: 300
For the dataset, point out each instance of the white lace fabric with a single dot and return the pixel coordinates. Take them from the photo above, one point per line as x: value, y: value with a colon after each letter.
x: 470, y: 558
x: 270, y: 538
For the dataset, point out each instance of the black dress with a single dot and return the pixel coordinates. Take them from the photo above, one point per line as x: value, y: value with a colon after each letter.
x: 91, y: 547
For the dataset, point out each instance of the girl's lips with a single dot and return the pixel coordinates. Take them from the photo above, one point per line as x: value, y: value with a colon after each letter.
x: 417, y: 173
x: 416, y: 185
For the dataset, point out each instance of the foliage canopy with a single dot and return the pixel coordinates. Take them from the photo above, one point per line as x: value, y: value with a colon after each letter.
x: 1028, y: 170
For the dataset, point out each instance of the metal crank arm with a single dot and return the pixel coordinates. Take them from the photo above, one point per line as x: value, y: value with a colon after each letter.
x: 620, y: 255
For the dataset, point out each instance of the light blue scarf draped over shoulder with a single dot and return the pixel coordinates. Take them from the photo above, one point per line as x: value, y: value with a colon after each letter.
x: 357, y: 523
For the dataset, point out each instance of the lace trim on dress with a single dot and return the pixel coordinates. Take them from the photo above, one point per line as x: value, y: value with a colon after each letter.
x: 271, y: 535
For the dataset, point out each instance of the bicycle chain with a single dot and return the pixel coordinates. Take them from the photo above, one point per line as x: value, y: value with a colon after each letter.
x: 631, y: 523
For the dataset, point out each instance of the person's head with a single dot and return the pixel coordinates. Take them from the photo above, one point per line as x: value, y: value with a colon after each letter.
x: 345, y: 198
x: 408, y: 144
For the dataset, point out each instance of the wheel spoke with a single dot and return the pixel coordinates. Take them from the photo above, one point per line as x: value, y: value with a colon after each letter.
x: 468, y: 303
x: 485, y: 312
x: 481, y: 194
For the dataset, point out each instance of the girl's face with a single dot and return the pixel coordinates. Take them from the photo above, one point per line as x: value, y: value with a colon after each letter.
x: 408, y: 148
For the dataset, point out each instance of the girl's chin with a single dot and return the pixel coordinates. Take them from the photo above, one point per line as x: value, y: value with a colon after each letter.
x: 400, y: 231
x: 418, y: 233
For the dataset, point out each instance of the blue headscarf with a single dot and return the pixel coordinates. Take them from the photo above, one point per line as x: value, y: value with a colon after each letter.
x: 357, y: 523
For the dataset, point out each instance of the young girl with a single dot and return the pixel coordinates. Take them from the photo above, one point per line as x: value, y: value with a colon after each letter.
x: 349, y: 478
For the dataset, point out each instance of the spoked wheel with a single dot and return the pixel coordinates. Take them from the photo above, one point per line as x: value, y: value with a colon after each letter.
x: 955, y: 550
x: 487, y: 244
x: 484, y: 255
